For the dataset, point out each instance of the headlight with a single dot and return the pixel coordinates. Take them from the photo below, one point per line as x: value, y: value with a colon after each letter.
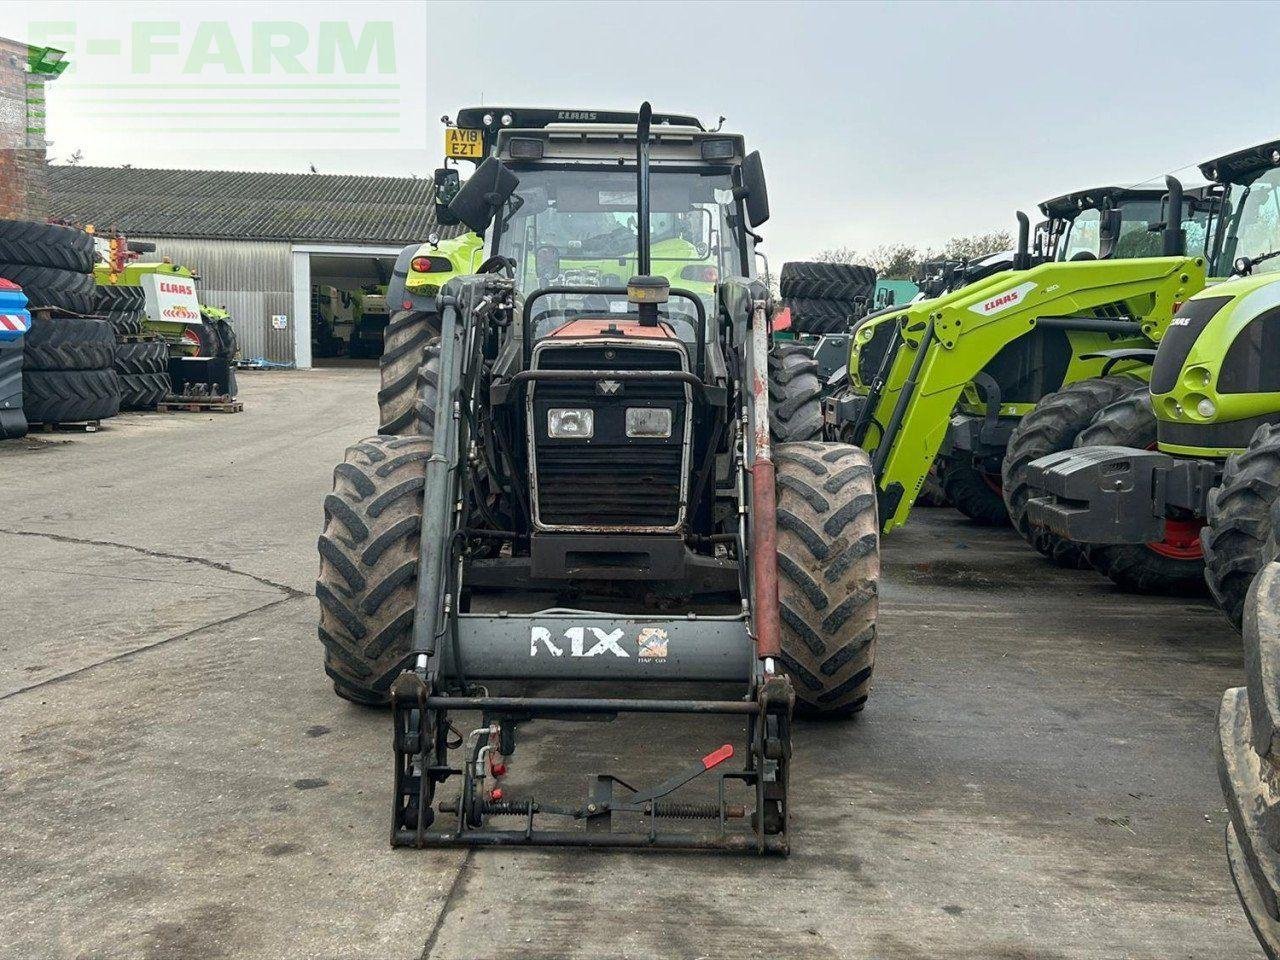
x: 571, y: 424
x: 654, y: 422
x: 1206, y: 408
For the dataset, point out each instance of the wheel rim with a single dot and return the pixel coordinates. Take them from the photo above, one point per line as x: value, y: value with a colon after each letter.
x: 1181, y: 540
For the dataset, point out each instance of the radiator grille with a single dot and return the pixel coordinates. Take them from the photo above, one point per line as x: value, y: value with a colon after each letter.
x: 610, y: 481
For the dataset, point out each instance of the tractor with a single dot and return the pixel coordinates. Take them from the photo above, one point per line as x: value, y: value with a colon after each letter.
x: 603, y: 437
x: 1103, y: 223
x: 918, y: 373
x: 1173, y: 486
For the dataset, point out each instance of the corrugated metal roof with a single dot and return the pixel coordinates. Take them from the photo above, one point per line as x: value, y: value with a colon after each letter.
x: 236, y: 205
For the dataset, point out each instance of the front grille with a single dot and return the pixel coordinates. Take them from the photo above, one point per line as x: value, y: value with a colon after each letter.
x: 610, y: 481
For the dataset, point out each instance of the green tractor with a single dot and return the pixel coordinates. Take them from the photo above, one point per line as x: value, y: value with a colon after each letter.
x: 948, y: 377
x: 1102, y: 223
x: 1173, y: 486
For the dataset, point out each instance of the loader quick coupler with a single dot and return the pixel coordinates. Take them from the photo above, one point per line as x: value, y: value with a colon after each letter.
x: 1107, y: 495
x: 614, y: 813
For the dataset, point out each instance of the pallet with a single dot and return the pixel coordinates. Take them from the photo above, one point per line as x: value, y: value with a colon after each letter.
x: 208, y: 405
x: 79, y: 426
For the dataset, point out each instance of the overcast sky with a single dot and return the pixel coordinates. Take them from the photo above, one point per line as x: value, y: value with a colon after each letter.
x: 877, y: 122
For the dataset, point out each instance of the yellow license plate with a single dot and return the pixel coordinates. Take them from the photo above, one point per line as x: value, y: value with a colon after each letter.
x: 463, y: 144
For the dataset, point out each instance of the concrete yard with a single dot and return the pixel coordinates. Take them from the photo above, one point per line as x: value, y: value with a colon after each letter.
x: 1033, y: 777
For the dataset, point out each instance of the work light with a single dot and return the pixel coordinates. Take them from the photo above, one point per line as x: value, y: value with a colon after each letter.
x: 570, y: 424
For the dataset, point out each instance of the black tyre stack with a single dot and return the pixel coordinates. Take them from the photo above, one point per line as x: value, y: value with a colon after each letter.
x: 68, y: 373
x: 141, y: 363
x: 143, y: 369
x: 121, y: 306
x: 826, y: 297
x: 68, y: 357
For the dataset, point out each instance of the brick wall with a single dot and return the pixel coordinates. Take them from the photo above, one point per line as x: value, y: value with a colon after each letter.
x: 24, y: 175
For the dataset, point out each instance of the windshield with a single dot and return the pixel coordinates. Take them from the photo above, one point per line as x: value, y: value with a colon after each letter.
x: 1084, y: 239
x: 1254, y: 228
x: 576, y: 227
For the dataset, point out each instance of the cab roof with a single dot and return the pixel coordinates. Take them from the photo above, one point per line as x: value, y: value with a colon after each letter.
x: 1069, y: 204
x: 489, y: 120
x: 1243, y: 165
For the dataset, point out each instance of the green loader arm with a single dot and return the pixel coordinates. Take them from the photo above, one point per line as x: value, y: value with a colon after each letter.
x: 962, y: 331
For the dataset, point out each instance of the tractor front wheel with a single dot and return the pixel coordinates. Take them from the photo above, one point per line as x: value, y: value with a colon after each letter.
x: 973, y: 491
x: 795, y: 393
x: 828, y: 574
x: 1052, y: 427
x: 404, y: 340
x: 368, y: 580
x: 1240, y: 515
x: 1173, y: 565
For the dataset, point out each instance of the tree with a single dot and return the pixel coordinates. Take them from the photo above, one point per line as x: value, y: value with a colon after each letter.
x: 977, y: 245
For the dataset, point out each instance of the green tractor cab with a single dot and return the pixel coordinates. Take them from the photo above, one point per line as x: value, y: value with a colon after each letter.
x: 1174, y: 484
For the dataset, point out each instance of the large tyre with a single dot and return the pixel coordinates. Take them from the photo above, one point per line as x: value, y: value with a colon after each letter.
x: 228, y: 341
x: 823, y: 316
x: 795, y: 393
x: 68, y: 343
x: 828, y: 574
x: 826, y: 297
x: 1249, y: 763
x: 1052, y: 427
x: 118, y: 298
x: 49, y: 287
x: 70, y: 396
x: 407, y: 335
x: 148, y: 356
x: 142, y: 391
x: 126, y: 323
x: 206, y: 336
x: 369, y: 564
x: 46, y: 245
x: 827, y: 281
x: 1239, y: 525
x: 973, y: 491
x: 1175, y: 565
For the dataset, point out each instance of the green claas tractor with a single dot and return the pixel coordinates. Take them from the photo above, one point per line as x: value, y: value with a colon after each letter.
x: 949, y: 376
x: 1174, y: 485
x: 1103, y: 223
x: 577, y: 432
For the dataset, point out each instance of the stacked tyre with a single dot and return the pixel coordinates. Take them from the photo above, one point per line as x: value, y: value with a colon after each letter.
x: 123, y: 307
x: 142, y: 367
x: 53, y: 265
x: 1249, y: 763
x: 826, y: 297
x: 68, y: 370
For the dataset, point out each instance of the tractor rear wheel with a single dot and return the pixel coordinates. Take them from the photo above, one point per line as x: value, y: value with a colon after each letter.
x: 1239, y: 527
x: 1052, y: 427
x: 973, y: 491
x: 795, y: 393
x: 1175, y: 564
x: 406, y: 336
x: 368, y: 580
x: 828, y: 574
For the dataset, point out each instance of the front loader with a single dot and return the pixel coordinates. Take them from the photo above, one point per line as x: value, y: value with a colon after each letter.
x: 911, y: 368
x: 610, y: 443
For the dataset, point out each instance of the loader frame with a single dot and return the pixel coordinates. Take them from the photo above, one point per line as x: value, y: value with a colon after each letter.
x: 453, y: 650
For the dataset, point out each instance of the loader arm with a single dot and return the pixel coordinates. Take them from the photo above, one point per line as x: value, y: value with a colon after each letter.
x: 943, y: 344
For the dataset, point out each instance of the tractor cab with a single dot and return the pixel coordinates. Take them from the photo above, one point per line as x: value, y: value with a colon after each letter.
x: 1119, y: 223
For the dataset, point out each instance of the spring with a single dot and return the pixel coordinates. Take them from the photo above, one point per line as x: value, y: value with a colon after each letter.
x: 697, y: 811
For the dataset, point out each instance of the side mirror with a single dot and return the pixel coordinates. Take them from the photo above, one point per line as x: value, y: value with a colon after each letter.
x: 484, y: 194
x: 754, y: 189
x: 1109, y: 224
x: 447, y: 187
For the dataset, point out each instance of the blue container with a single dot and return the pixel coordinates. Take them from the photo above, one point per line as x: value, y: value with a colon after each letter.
x: 14, y: 318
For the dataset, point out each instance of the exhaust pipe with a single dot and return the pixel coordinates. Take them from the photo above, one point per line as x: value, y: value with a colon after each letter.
x: 642, y: 185
x: 1175, y: 244
x: 1022, y: 259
